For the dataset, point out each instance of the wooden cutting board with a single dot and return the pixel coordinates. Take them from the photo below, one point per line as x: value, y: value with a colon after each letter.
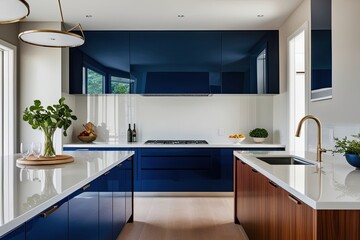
x: 59, y: 159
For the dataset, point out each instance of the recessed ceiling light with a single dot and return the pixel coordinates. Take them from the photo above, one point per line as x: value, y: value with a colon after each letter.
x: 88, y: 16
x: 260, y: 15
x: 181, y: 15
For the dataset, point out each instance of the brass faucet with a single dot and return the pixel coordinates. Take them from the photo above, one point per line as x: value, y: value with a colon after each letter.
x: 319, y: 149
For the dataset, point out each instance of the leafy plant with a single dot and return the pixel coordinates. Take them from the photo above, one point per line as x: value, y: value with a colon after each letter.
x: 55, y: 116
x: 347, y: 146
x: 259, y: 133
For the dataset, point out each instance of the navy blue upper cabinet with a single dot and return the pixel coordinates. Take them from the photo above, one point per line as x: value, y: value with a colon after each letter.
x: 321, y: 51
x: 250, y: 62
x: 101, y: 65
x: 175, y: 62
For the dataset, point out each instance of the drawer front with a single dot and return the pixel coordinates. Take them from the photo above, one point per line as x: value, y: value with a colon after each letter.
x: 176, y: 162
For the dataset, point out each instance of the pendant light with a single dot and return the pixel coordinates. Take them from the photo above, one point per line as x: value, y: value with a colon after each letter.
x: 13, y: 11
x: 54, y: 38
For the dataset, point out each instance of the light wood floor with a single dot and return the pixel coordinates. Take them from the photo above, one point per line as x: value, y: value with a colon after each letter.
x: 183, y: 218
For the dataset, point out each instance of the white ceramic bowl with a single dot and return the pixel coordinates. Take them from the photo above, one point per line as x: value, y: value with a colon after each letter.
x: 236, y: 140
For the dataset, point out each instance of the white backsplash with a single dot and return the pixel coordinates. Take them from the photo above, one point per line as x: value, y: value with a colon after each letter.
x: 211, y: 118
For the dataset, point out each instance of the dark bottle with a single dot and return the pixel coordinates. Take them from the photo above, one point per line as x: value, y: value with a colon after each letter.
x: 134, y: 134
x: 129, y: 134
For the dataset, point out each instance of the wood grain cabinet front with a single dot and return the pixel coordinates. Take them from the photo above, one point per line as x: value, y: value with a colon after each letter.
x: 266, y: 211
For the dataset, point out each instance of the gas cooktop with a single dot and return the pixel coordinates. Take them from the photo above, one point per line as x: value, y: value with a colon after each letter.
x: 176, y: 142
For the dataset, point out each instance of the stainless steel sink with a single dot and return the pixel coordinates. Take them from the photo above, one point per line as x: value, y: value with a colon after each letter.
x: 284, y: 161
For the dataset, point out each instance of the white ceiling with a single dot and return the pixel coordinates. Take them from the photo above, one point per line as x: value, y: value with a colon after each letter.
x: 163, y: 14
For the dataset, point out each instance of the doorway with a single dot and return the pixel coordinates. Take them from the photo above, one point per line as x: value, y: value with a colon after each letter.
x: 297, y: 79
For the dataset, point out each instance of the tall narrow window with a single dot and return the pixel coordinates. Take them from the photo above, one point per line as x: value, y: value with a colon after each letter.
x: 7, y: 98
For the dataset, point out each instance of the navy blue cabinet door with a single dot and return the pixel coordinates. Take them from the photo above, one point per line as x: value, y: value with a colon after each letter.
x: 175, y: 62
x: 250, y: 62
x: 101, y: 65
x: 16, y: 234
x: 84, y: 213
x: 179, y: 169
x: 128, y: 169
x: 105, y: 207
x: 50, y: 224
x: 117, y: 178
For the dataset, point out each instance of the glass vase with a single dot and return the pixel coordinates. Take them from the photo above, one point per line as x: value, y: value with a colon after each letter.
x: 48, y: 144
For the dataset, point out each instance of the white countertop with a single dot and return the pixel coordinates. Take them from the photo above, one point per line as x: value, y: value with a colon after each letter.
x: 143, y: 145
x: 336, y: 186
x: 29, y: 190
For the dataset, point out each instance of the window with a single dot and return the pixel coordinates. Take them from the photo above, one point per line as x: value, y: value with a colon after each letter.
x: 95, y: 81
x: 120, y: 85
x: 7, y: 98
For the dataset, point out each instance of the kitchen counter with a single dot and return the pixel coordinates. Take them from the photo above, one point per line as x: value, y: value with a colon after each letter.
x: 336, y: 186
x: 29, y: 190
x: 143, y: 145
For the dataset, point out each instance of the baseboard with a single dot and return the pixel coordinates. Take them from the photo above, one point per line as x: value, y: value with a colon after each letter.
x: 183, y: 194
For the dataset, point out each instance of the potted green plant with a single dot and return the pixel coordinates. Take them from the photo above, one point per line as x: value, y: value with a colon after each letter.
x: 350, y: 148
x: 48, y: 120
x: 259, y: 134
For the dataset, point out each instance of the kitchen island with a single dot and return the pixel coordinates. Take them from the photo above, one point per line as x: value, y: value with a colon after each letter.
x: 90, y: 198
x: 315, y: 201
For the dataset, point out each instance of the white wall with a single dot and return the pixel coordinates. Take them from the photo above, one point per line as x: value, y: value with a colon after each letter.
x: 40, y: 78
x: 174, y: 117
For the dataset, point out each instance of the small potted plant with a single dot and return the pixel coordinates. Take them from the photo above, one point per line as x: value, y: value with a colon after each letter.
x: 48, y: 120
x: 259, y: 134
x: 350, y: 148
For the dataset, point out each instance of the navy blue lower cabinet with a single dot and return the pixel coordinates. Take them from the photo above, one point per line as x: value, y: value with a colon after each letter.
x: 179, y: 169
x: 84, y: 213
x: 50, y: 224
x: 117, y: 178
x: 105, y: 207
x: 128, y: 167
x: 16, y: 234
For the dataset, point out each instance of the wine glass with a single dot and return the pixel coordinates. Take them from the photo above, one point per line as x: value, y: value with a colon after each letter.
x: 25, y: 150
x: 36, y: 149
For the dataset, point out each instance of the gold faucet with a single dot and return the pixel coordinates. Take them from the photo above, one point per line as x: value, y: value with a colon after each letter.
x: 319, y: 149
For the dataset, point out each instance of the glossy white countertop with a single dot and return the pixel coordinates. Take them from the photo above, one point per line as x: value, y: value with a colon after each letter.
x: 336, y: 186
x: 143, y: 145
x: 29, y: 190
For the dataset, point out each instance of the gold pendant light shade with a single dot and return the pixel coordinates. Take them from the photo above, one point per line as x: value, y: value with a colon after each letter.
x: 54, y: 38
x: 13, y: 11
x: 51, y: 38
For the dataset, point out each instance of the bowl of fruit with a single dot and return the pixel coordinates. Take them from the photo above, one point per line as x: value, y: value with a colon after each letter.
x: 237, y: 138
x: 88, y: 135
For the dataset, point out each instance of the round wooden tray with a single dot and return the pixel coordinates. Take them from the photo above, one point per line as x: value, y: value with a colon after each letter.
x: 59, y: 159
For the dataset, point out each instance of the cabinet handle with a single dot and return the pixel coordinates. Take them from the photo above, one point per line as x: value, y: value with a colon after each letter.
x: 82, y: 149
x: 119, y: 165
x: 107, y: 173
x: 49, y: 212
x: 86, y: 187
x: 294, y: 200
x: 254, y: 170
x: 273, y: 184
x: 243, y: 162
